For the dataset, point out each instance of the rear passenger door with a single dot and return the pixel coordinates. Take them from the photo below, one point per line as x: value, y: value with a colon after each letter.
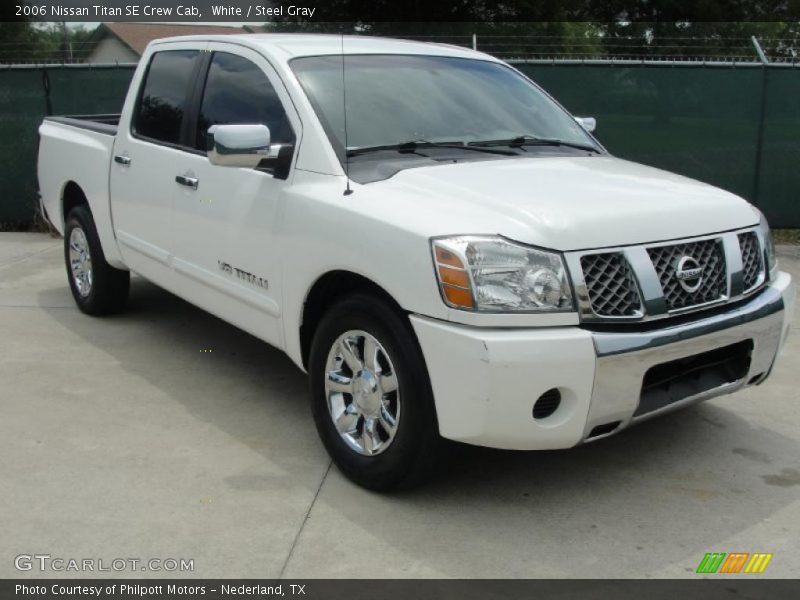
x: 224, y: 222
x: 147, y: 153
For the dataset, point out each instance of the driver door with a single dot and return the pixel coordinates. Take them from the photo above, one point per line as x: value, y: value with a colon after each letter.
x: 224, y: 217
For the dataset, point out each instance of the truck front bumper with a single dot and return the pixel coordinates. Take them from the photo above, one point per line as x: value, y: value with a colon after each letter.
x: 487, y: 380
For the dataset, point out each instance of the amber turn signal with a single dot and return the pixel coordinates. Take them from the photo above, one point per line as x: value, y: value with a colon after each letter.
x: 458, y: 296
x: 455, y: 277
x: 445, y: 257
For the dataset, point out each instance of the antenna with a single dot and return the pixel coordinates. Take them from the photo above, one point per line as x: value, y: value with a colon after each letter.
x: 347, y: 190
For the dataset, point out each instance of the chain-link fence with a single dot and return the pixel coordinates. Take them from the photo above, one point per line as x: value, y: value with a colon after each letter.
x: 598, y: 45
x: 734, y: 125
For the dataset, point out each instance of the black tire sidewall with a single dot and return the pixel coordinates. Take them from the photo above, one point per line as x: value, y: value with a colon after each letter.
x: 79, y: 218
x: 407, y: 460
x: 109, y: 285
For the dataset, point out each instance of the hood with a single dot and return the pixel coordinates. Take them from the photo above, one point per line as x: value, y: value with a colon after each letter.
x: 563, y: 203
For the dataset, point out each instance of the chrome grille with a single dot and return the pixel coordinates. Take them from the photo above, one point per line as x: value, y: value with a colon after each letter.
x: 611, y: 285
x: 710, y: 256
x: 642, y: 283
x: 752, y: 260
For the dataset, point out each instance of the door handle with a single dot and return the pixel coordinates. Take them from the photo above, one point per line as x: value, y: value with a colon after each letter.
x: 122, y: 160
x: 187, y: 181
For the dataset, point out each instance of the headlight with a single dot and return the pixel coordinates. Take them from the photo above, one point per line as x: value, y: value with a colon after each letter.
x: 769, y: 250
x: 492, y: 274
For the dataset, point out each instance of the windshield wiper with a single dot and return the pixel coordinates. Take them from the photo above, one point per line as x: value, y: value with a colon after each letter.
x: 532, y: 140
x: 412, y: 146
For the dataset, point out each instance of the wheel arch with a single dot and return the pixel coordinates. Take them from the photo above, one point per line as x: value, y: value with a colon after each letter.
x: 328, y: 289
x: 72, y: 195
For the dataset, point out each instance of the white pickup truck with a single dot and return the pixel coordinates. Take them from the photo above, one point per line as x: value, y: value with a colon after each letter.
x: 441, y: 246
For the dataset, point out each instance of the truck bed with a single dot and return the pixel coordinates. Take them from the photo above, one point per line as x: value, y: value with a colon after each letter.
x: 105, y: 124
x: 76, y: 151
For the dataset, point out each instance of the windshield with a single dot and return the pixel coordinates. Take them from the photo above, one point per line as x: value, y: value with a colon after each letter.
x: 395, y: 99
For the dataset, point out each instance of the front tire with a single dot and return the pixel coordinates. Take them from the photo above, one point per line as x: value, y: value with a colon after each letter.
x: 371, y: 396
x: 97, y: 287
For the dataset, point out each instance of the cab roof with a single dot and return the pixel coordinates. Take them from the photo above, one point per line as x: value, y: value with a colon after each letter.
x: 286, y: 46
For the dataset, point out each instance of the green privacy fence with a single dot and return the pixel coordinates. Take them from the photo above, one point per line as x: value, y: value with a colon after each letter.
x: 732, y: 125
x: 26, y: 94
x: 778, y: 185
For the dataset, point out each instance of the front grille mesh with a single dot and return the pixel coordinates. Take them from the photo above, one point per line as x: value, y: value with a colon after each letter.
x: 752, y: 261
x: 611, y: 285
x: 709, y: 254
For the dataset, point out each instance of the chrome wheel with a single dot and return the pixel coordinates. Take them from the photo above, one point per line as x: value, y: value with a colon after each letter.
x: 80, y: 262
x: 362, y: 392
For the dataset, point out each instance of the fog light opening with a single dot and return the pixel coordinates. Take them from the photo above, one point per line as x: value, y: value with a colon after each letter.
x: 547, y: 404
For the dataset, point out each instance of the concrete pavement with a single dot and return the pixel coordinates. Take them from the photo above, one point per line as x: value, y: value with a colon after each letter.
x: 166, y: 433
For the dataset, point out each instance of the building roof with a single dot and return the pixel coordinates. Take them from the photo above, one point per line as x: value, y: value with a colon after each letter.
x: 137, y: 35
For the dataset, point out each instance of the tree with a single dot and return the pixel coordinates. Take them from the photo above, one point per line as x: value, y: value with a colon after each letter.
x: 24, y: 42
x: 17, y: 42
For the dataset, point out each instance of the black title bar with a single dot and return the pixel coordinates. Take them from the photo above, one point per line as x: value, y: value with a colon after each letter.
x: 374, y: 11
x: 393, y: 589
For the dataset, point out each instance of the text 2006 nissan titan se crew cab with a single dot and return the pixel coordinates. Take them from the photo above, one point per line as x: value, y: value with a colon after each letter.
x: 455, y: 256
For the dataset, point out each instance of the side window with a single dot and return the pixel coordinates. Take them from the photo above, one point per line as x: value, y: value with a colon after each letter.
x: 238, y: 92
x: 164, y: 92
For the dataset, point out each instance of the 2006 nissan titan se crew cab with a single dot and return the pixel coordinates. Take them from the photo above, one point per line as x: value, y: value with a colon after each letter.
x: 456, y: 256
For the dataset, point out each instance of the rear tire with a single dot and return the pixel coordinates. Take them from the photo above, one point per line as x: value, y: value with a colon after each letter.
x: 387, y: 435
x: 97, y: 287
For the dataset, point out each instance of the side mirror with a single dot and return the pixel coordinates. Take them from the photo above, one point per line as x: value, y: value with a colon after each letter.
x: 238, y: 145
x: 588, y: 123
